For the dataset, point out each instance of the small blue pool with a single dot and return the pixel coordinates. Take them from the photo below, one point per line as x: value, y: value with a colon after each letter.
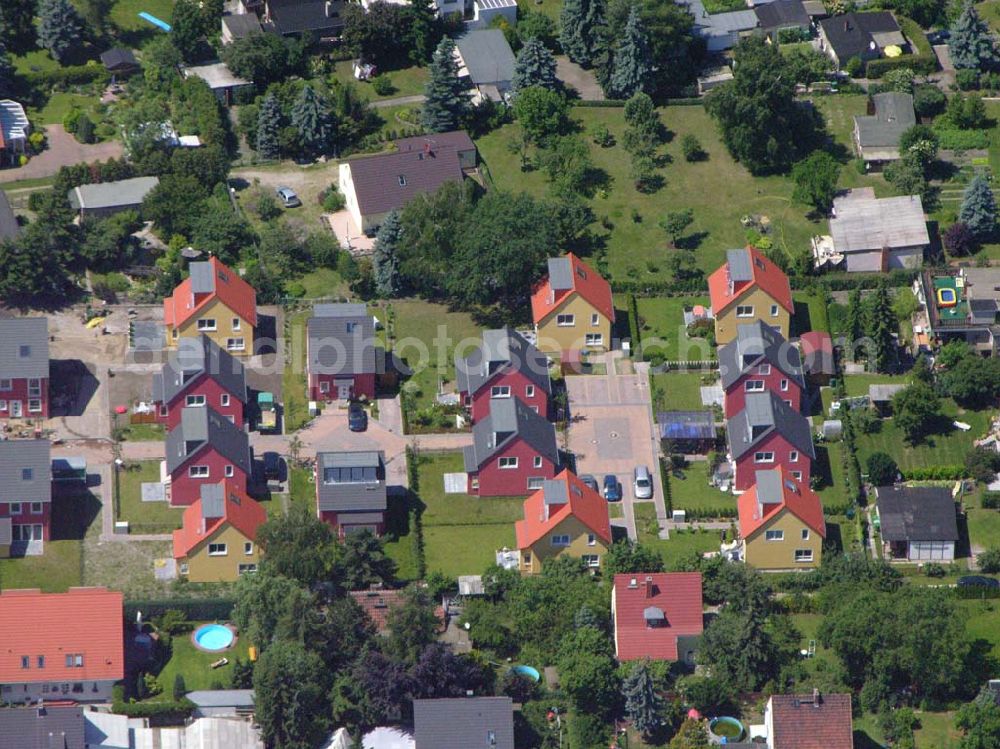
x: 213, y: 637
x: 530, y: 672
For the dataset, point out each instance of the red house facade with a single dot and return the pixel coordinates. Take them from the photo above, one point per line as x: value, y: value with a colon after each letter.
x: 503, y: 366
x: 351, y: 491
x: 205, y: 448
x: 760, y: 360
x: 513, y: 451
x: 341, y: 354
x: 25, y: 496
x: 24, y: 368
x: 200, y: 374
x: 768, y: 434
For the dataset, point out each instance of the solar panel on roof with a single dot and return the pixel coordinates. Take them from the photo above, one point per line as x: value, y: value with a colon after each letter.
x: 739, y: 265
x: 560, y: 274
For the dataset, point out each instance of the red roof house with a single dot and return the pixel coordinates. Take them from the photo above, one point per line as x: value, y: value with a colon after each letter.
x: 817, y: 356
x: 59, y: 646
x: 749, y: 287
x: 814, y: 721
x: 781, y: 522
x: 657, y: 616
x: 572, y: 307
x: 377, y: 602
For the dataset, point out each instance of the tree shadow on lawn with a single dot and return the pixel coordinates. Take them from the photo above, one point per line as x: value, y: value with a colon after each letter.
x: 863, y: 741
x: 692, y: 241
x: 939, y: 426
x: 834, y: 541
x: 401, y: 507
x: 821, y: 467
x: 801, y: 319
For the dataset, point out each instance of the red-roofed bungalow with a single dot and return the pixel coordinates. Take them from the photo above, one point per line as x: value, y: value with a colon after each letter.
x: 657, y: 616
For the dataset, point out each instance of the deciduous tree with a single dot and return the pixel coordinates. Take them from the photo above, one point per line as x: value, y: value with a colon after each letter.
x: 675, y: 223
x: 298, y: 546
x: 290, y: 688
x: 882, y: 469
x: 816, y: 181
x: 915, y: 409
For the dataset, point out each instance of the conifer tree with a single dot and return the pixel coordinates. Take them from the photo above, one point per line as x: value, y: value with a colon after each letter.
x: 882, y: 323
x: 971, y: 45
x: 632, y: 67
x: 979, y: 209
x: 6, y: 73
x: 385, y: 257
x: 269, y: 128
x: 855, y: 317
x: 311, y: 117
x: 535, y: 66
x: 572, y: 36
x: 642, y: 703
x: 446, y: 100
x: 59, y: 27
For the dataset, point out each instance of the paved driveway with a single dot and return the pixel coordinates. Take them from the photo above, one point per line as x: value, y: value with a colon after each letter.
x: 611, y: 431
x: 63, y: 150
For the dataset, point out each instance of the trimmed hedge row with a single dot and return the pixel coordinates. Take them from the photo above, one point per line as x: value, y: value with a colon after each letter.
x: 845, y: 282
x: 196, y: 609
x: 633, y: 327
x: 935, y: 473
x: 158, y: 713
x: 919, y: 64
x: 72, y: 74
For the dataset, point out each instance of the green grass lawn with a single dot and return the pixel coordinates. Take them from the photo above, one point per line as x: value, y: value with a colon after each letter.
x: 195, y: 666
x: 426, y: 336
x: 36, y: 61
x: 405, y: 81
x: 693, y: 492
x: 58, y: 106
x: 680, y: 545
x: 58, y: 569
x: 145, y: 517
x: 810, y: 313
x: 984, y: 527
x: 676, y: 391
x: 301, y: 487
x: 857, y: 384
x: 323, y: 283
x: 949, y: 448
x: 829, y: 466
x: 661, y: 328
x: 550, y: 8
x: 143, y: 432
x: 295, y: 408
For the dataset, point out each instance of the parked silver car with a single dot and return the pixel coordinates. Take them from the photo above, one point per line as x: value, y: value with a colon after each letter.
x: 642, y: 483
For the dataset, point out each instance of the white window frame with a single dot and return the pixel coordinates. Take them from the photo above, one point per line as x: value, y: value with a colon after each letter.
x: 793, y: 456
x: 797, y: 475
x: 507, y: 463
x: 803, y: 556
x: 594, y: 339
x: 194, y: 400
x: 537, y: 461
x: 37, y: 508
x: 6, y: 384
x: 224, y: 399
x: 560, y: 539
x: 35, y: 387
x: 591, y: 560
x: 784, y: 385
x: 198, y: 472
x: 774, y: 310
x: 184, y: 568
x: 220, y: 550
x: 805, y: 534
x: 774, y: 535
x: 500, y: 391
x: 34, y: 405
x: 324, y: 386
x: 535, y: 483
x: 591, y: 539
x: 567, y: 320
x: 15, y: 508
x: 207, y: 324
x: 595, y: 319
x: 236, y: 344
x: 236, y: 326
x: 529, y: 391
x: 744, y: 310
x: 762, y: 456
x: 764, y: 369
x: 753, y: 386
x: 3, y: 405
x: 248, y: 548
x: 246, y: 569
x: 230, y: 472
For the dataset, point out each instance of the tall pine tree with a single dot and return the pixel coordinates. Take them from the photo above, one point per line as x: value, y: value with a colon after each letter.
x: 446, y: 101
x: 269, y: 128
x: 632, y: 67
x: 424, y: 31
x: 6, y: 73
x: 535, y: 66
x: 855, y: 319
x: 979, y: 209
x: 971, y: 44
x: 881, y: 326
x: 643, y: 705
x: 59, y: 27
x: 596, y: 34
x: 573, y: 31
x: 385, y: 257
x: 311, y: 118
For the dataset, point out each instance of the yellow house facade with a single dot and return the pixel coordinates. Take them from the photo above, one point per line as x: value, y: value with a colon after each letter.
x: 568, y: 538
x: 574, y: 325
x: 755, y: 305
x: 572, y: 308
x: 783, y: 543
x: 227, y: 329
x: 220, y: 557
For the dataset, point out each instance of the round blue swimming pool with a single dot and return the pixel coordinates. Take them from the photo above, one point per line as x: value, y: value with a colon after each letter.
x: 529, y: 671
x: 213, y: 637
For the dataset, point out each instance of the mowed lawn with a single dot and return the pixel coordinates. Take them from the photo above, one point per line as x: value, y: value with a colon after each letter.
x: 948, y: 448
x: 662, y: 330
x: 718, y: 191
x: 145, y: 517
x: 196, y: 665
x: 426, y: 337
x: 681, y: 544
x: 676, y: 391
x: 405, y: 81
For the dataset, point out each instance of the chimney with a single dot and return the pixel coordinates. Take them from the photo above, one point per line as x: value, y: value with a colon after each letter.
x: 427, y: 148
x: 847, y: 25
x: 817, y: 699
x: 649, y: 586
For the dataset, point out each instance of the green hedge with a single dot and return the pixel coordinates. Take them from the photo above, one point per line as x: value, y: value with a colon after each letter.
x: 976, y: 591
x: 954, y: 139
x: 73, y: 74
x: 833, y: 282
x: 935, y: 473
x: 919, y: 64
x: 633, y: 327
x: 991, y: 500
x: 196, y: 609
x: 668, y: 500
x: 158, y: 713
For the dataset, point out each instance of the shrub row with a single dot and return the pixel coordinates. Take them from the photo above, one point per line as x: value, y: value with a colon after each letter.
x: 196, y: 609
x: 933, y: 473
x: 977, y: 591
x: 991, y: 500
x: 962, y: 140
x: 158, y: 713
x: 668, y: 500
x: 923, y: 64
x: 416, y: 516
x: 845, y: 282
x: 708, y: 513
x: 633, y: 327
x: 69, y: 75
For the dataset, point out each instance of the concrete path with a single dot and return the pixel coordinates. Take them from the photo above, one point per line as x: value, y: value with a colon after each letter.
x: 390, y: 414
x: 63, y: 150
x: 399, y: 101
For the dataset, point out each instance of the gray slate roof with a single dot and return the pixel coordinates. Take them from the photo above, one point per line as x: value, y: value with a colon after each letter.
x: 351, y: 481
x: 455, y: 139
x: 341, y: 340
x: 464, y: 723
x: 757, y: 344
x: 8, y: 221
x: 16, y: 361
x: 893, y: 116
x: 917, y: 513
x: 243, y: 25
x: 509, y: 420
x: 763, y: 415
x: 118, y: 57
x: 297, y: 16
x: 222, y: 697
x: 487, y: 56
x: 852, y: 33
x: 124, y: 192
x: 503, y: 349
x: 25, y: 471
x: 49, y: 727
x: 389, y: 181
x: 197, y: 356
x: 781, y: 14
x: 201, y: 426
x: 884, y: 392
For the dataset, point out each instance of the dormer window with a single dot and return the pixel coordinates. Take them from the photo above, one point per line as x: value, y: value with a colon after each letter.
x: 24, y: 351
x: 402, y: 180
x: 27, y: 474
x: 351, y: 327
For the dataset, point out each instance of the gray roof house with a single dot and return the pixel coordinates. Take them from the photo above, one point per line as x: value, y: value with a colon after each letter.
x: 239, y: 27
x: 196, y: 357
x: 721, y: 31
x: 341, y: 340
x: 862, y: 35
x: 509, y: 420
x: 918, y: 523
x: 120, y: 61
x: 502, y: 350
x: 25, y: 477
x: 464, y: 723
x: 202, y: 427
x: 875, y: 235
x: 763, y: 415
x: 877, y: 134
x: 43, y: 727
x: 24, y: 348
x: 757, y: 344
x: 295, y: 17
x: 9, y: 228
x: 351, y: 489
x: 485, y: 57
x: 781, y: 14
x: 105, y: 198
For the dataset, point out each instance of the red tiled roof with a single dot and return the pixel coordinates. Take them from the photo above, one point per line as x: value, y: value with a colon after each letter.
x: 83, y: 621
x: 584, y: 503
x: 378, y: 602
x: 231, y: 290
x: 676, y: 594
x: 801, y: 723
x: 243, y: 513
x: 797, y: 498
x: 766, y: 275
x: 587, y: 282
x: 816, y: 340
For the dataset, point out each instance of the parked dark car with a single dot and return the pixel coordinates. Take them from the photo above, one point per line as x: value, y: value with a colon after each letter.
x: 274, y: 466
x: 978, y: 581
x: 612, y: 488
x: 589, y: 481
x: 357, y: 418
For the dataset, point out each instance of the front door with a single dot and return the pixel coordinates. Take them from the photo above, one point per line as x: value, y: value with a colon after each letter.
x: 15, y: 409
x: 343, y: 389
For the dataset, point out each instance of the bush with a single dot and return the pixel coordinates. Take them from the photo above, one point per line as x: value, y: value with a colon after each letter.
x: 334, y: 200
x: 791, y: 36
x: 691, y: 148
x: 36, y: 141
x: 924, y: 64
x: 966, y: 79
x: 854, y: 67
x: 382, y: 85
x: 928, y: 101
x: 267, y: 207
x: 173, y: 622
x: 991, y: 500
x: 196, y: 609
x: 935, y: 473
x: 933, y: 569
x: 295, y: 289
x: 69, y: 75
x: 989, y: 561
x: 85, y: 129
x: 602, y: 136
